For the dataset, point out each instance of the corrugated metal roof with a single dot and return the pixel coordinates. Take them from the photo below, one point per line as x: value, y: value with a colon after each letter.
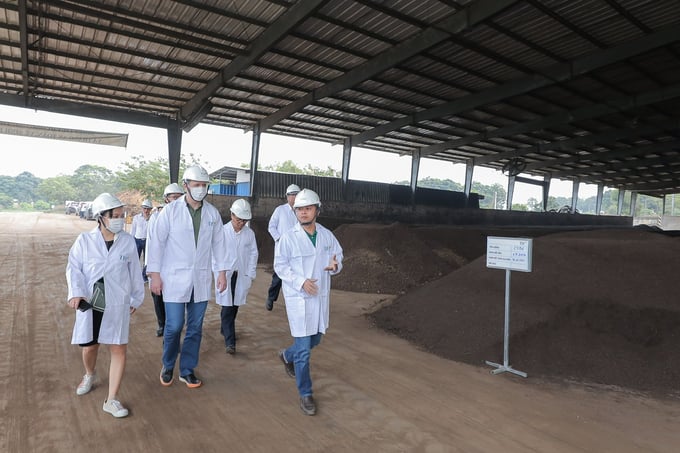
x: 583, y: 89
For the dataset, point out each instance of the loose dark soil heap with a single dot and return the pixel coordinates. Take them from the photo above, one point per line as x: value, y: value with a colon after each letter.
x: 600, y: 307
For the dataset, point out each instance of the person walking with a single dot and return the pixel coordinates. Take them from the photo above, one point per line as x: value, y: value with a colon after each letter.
x: 105, y: 257
x: 186, y: 235
x: 282, y: 219
x: 140, y: 224
x: 241, y: 239
x: 307, y: 256
x: 171, y: 193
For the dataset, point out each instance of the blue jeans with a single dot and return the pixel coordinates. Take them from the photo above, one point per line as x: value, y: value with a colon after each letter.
x: 299, y: 353
x: 174, y: 321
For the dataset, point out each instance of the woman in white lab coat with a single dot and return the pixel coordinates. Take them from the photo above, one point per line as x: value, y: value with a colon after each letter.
x: 109, y: 255
x: 307, y: 256
x: 241, y: 241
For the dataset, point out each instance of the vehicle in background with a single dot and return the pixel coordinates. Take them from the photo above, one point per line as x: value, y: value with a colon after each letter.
x: 71, y: 207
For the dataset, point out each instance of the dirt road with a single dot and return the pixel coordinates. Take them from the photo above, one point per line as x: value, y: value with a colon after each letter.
x: 375, y: 392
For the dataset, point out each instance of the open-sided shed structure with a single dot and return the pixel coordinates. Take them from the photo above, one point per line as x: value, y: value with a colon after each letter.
x: 585, y: 90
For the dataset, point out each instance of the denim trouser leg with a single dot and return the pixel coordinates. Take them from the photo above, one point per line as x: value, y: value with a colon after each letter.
x: 228, y: 317
x: 300, y: 353
x: 174, y: 322
x: 188, y: 359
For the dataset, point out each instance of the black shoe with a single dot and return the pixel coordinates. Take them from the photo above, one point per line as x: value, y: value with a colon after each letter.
x: 231, y: 350
x: 166, y: 377
x: 191, y: 380
x: 307, y: 405
x: 269, y: 305
x: 289, y: 366
x: 159, y: 332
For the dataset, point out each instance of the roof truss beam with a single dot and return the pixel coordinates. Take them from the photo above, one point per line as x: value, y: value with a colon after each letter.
x: 589, y: 140
x: 87, y: 110
x: 558, y: 119
x: 639, y: 151
x: 475, y: 13
x: 23, y: 36
x: 592, y: 111
x: 557, y: 73
x: 270, y: 36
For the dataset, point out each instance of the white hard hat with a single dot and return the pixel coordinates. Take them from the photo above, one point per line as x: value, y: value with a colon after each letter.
x: 241, y: 209
x: 172, y: 188
x: 292, y: 189
x: 196, y: 173
x: 306, y: 197
x: 147, y: 203
x: 105, y: 202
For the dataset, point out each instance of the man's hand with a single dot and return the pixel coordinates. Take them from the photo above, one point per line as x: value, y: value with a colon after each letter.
x: 333, y: 266
x: 310, y: 286
x: 156, y: 283
x: 222, y: 281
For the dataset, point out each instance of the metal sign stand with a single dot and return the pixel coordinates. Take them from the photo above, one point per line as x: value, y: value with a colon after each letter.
x: 505, y: 367
x: 509, y: 254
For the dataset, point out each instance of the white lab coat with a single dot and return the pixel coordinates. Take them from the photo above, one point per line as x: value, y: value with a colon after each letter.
x: 149, y: 227
x: 283, y: 219
x: 184, y: 265
x: 296, y: 260
x: 243, y: 249
x: 88, y: 261
x: 139, y: 226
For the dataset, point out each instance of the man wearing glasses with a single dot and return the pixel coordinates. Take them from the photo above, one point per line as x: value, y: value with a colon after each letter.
x: 240, y: 240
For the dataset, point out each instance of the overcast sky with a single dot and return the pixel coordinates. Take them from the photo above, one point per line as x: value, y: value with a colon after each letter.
x: 221, y: 146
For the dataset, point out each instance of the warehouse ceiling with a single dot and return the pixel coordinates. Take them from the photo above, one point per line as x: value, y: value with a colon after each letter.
x: 583, y: 90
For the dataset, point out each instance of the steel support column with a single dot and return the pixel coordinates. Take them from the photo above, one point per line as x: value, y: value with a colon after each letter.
x: 254, y: 160
x: 174, y: 148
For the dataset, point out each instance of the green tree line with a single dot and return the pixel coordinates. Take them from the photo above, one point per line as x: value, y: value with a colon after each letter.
x: 148, y: 177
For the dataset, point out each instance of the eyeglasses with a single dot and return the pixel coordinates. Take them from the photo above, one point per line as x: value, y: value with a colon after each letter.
x: 237, y: 219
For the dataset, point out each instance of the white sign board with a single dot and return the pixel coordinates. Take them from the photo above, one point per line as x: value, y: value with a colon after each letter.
x: 509, y: 253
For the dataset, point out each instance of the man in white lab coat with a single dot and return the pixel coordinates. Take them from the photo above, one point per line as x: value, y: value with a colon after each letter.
x: 186, y: 240
x: 282, y: 219
x: 140, y: 223
x: 306, y: 257
x: 171, y: 193
x: 241, y: 242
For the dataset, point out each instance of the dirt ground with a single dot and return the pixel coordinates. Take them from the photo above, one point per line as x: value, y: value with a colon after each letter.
x: 375, y: 391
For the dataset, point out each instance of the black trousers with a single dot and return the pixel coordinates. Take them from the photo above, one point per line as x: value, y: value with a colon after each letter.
x: 159, y: 308
x: 274, y: 288
x: 228, y: 316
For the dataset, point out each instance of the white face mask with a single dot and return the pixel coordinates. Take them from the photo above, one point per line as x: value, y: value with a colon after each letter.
x: 116, y: 225
x: 198, y: 193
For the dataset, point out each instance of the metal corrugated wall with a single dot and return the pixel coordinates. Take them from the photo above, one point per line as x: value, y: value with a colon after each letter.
x: 273, y: 185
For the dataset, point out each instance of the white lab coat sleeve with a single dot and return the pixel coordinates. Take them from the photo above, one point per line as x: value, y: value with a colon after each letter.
x: 135, y: 225
x: 75, y: 278
x: 136, y: 281
x: 156, y: 242
x: 149, y: 232
x: 336, y: 250
x: 273, y: 226
x: 283, y: 261
x: 253, y: 255
x: 223, y: 249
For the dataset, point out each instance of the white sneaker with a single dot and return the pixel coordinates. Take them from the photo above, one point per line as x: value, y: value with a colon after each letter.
x: 114, y: 408
x: 86, y: 384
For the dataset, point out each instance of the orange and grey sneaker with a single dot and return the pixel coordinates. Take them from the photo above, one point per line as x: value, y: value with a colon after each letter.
x: 191, y: 380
